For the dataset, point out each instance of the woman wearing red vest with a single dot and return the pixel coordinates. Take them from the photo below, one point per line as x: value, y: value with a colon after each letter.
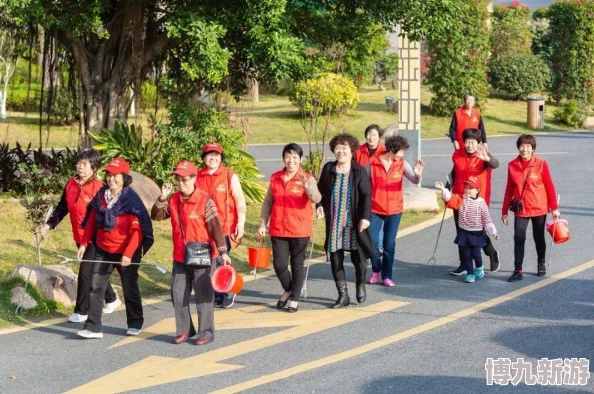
x: 374, y: 147
x: 346, y: 204
x: 194, y: 218
x: 288, y: 205
x: 123, y: 232
x: 466, y: 117
x: 529, y: 182
x: 474, y: 160
x: 77, y: 195
x: 222, y: 184
x: 387, y: 174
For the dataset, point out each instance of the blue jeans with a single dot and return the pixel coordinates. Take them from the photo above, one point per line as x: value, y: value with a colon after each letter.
x: 383, y: 261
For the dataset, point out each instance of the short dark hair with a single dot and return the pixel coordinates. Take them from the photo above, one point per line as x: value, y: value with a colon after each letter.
x: 396, y: 143
x: 472, y: 134
x: 469, y: 95
x: 372, y: 127
x: 526, y: 139
x: 127, y: 179
x: 92, y: 156
x: 293, y: 148
x: 344, y: 138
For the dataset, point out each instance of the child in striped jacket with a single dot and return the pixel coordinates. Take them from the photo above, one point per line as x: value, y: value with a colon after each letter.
x: 474, y: 219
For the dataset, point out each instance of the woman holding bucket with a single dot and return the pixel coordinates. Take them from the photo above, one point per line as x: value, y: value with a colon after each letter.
x: 346, y: 204
x: 288, y: 205
x: 222, y: 184
x: 194, y: 220
x: 530, y: 194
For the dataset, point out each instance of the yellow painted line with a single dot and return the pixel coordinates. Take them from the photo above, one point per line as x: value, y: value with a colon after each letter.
x: 402, y: 335
x: 153, y: 371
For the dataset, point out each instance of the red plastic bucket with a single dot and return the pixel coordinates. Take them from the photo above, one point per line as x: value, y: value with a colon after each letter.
x: 223, y: 278
x: 238, y: 285
x: 259, y: 257
x: 559, y: 230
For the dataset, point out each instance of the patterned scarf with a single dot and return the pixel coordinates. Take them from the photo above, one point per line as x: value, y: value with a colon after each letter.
x: 127, y: 202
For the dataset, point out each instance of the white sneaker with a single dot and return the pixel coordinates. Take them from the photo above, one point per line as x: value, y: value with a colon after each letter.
x: 132, y: 332
x: 89, y: 335
x: 77, y: 318
x: 111, y: 306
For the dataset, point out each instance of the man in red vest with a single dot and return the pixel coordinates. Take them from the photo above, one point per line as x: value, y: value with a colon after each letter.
x: 466, y: 117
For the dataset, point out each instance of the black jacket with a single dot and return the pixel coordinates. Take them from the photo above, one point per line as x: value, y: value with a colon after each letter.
x: 360, y: 202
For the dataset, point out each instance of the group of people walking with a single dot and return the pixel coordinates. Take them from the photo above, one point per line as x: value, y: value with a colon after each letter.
x: 359, y: 195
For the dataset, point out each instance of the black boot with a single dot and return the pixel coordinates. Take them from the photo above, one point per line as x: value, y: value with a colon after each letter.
x: 361, y: 294
x: 343, y: 296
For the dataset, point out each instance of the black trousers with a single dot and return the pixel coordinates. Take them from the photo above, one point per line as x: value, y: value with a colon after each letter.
x: 285, y: 249
x: 538, y: 233
x: 85, y: 276
x: 470, y: 253
x: 337, y: 264
x: 132, y: 299
x: 489, y: 249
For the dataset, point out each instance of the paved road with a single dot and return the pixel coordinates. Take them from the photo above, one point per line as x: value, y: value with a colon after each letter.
x: 431, y: 333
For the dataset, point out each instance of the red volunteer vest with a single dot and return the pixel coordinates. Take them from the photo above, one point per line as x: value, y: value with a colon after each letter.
x: 466, y: 166
x: 535, y: 198
x: 123, y: 237
x: 192, y: 219
x: 218, y: 186
x: 78, y: 198
x: 386, y: 187
x: 292, y: 211
x: 362, y: 156
x: 463, y: 122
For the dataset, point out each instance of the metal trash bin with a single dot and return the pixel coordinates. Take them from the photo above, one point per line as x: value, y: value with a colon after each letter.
x: 535, y: 113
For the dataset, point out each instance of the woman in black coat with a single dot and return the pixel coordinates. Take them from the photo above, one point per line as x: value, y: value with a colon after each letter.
x: 346, y: 205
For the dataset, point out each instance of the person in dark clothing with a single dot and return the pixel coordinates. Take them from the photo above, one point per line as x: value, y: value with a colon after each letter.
x: 466, y: 117
x: 346, y: 205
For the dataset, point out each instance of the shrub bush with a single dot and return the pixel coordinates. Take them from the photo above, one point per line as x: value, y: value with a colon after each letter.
x: 520, y: 75
x: 328, y: 94
x: 458, y: 62
x: 572, y: 113
x: 571, y: 36
x: 24, y: 171
x: 17, y: 98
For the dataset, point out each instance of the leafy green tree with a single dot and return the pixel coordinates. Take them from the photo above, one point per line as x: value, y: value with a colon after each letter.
x: 571, y: 37
x: 511, y: 33
x: 458, y: 63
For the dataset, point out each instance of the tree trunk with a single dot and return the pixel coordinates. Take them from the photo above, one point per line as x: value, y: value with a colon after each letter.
x: 253, y: 90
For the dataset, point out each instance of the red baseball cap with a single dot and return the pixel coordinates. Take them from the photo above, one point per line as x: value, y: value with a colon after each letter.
x: 185, y: 168
x: 473, y: 182
x: 117, y: 165
x: 212, y: 147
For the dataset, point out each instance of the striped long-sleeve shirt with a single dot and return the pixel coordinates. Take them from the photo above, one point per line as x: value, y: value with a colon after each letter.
x: 473, y: 213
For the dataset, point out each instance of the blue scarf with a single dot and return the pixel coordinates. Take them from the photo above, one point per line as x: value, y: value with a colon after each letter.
x: 128, y: 203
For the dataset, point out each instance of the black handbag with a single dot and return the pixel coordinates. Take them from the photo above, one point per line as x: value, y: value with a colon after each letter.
x: 518, y: 206
x: 196, y: 254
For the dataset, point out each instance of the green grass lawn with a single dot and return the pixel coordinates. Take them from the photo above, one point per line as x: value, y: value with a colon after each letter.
x: 275, y: 120
x: 18, y: 248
